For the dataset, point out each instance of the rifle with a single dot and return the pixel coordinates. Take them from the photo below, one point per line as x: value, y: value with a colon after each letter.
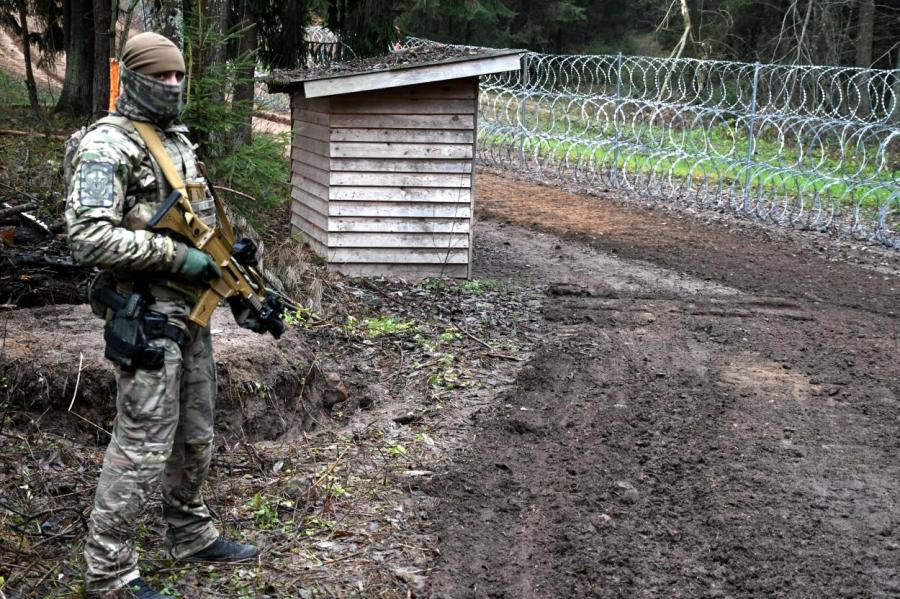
x: 237, y: 259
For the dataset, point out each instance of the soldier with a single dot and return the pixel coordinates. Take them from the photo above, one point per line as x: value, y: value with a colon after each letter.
x: 163, y: 430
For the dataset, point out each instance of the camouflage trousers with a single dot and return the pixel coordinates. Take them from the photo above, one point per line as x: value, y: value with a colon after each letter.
x: 163, y: 431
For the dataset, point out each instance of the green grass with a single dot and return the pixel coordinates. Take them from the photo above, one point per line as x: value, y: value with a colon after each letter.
x: 12, y: 91
x: 379, y: 327
x: 714, y: 157
x: 14, y: 94
x: 31, y: 152
x: 814, y: 174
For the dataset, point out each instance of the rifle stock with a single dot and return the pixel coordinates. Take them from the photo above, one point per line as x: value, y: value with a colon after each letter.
x: 177, y: 216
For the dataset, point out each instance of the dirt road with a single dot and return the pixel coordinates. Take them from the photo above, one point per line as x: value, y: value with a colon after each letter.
x: 686, y: 410
x: 710, y: 414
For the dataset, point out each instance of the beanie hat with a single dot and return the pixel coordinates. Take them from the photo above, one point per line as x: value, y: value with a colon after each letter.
x: 150, y: 53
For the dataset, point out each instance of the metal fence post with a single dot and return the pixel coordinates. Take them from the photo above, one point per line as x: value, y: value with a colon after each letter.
x: 520, y: 113
x: 615, y: 165
x: 751, y: 138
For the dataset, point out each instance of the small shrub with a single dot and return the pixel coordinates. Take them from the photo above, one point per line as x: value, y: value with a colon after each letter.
x: 260, y: 169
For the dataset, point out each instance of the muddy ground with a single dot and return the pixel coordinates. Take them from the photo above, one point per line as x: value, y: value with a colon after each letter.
x: 710, y: 413
x: 627, y: 402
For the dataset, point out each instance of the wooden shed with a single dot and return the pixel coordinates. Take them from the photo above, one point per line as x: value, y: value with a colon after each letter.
x: 382, y: 162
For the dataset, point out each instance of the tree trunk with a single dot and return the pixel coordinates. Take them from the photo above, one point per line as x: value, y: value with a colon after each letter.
x: 215, y: 14
x: 213, y: 54
x: 865, y: 28
x: 102, y: 9
x: 168, y: 20
x: 26, y: 52
x: 76, y: 97
x: 245, y: 86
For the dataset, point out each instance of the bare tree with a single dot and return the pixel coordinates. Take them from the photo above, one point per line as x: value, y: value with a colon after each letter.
x: 102, y: 18
x: 25, y: 36
x: 864, y: 33
x: 687, y: 34
x: 864, y: 38
x: 126, y: 28
x: 244, y: 87
x: 814, y: 32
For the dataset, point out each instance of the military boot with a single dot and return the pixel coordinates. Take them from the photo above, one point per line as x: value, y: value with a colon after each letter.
x: 136, y: 589
x: 225, y: 550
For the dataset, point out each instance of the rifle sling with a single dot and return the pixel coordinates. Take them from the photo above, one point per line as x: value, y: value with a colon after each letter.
x: 148, y: 134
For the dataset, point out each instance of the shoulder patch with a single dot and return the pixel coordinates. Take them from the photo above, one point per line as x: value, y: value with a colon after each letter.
x: 97, y: 184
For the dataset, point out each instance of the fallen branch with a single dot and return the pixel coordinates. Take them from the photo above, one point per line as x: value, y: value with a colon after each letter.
x: 383, y: 294
x: 77, y: 379
x: 18, y: 191
x: 30, y: 133
x: 39, y: 260
x: 36, y: 221
x: 72, y: 404
x: 327, y: 472
x: 486, y: 345
x: 4, y: 212
x: 235, y: 192
x: 504, y: 356
x: 473, y: 337
x: 268, y: 116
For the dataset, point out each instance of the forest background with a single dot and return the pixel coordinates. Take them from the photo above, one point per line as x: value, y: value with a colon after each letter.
x: 861, y: 33
x: 229, y: 43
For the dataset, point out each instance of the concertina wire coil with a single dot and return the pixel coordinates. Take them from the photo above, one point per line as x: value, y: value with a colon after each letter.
x: 812, y: 147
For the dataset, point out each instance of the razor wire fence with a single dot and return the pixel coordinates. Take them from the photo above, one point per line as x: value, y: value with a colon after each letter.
x: 323, y: 47
x: 813, y: 147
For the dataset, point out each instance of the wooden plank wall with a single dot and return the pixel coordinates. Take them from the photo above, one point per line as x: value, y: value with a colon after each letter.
x: 382, y: 181
x: 310, y: 172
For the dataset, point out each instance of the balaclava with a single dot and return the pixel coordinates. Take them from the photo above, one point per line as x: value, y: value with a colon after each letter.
x: 143, y: 97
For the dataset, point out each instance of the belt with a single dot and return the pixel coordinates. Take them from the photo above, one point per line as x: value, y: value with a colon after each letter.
x: 156, y: 325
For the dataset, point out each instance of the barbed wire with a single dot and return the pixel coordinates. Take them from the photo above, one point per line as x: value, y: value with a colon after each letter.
x: 812, y: 147
x: 323, y: 46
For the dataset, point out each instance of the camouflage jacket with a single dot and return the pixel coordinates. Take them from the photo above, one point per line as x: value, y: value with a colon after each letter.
x: 115, y: 188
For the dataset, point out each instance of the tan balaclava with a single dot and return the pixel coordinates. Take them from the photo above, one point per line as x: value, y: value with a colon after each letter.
x: 150, y: 53
x: 143, y: 97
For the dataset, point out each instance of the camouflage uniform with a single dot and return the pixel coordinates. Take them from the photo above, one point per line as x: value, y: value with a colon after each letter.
x: 164, y: 423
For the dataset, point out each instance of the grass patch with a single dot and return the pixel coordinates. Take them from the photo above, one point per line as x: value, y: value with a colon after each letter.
x: 31, y: 156
x: 482, y: 286
x: 716, y: 155
x: 766, y: 174
x: 14, y: 93
x: 380, y: 327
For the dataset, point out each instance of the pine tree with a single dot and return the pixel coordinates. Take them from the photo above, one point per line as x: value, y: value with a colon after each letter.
x: 365, y: 26
x: 471, y: 22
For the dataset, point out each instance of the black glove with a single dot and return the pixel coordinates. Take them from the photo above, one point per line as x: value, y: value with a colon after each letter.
x: 244, y: 316
x: 245, y: 252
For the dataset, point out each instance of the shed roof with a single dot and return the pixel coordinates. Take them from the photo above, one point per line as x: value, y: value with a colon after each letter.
x: 409, y: 66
